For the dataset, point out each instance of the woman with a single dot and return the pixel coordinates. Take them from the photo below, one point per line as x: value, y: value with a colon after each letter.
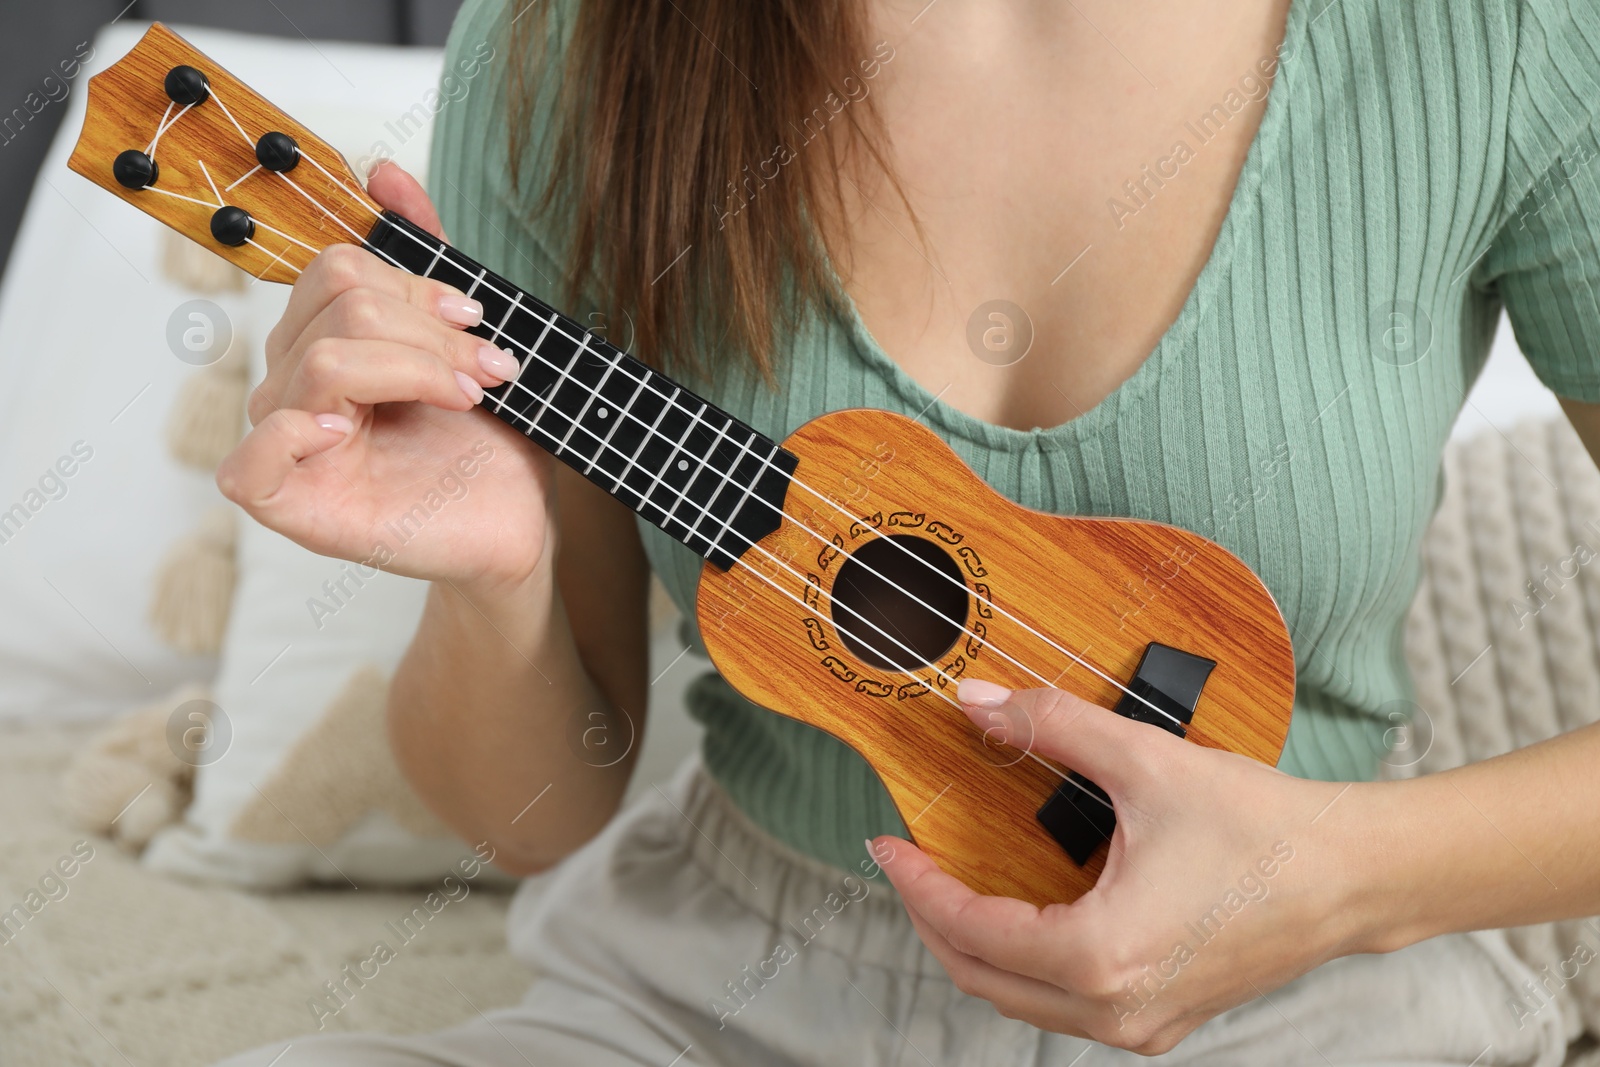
x: 1252, y: 314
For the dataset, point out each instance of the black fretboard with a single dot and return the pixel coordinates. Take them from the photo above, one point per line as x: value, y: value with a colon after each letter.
x: 687, y: 466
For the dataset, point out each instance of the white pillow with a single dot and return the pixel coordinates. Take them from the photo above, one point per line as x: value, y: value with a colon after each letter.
x: 298, y: 785
x: 87, y: 381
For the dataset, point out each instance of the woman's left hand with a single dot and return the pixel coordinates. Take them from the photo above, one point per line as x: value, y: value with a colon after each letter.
x: 1225, y: 879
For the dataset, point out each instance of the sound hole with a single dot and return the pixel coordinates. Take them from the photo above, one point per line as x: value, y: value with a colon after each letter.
x: 889, y: 628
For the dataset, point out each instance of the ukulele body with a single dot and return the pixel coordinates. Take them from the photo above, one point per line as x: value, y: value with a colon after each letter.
x: 785, y: 628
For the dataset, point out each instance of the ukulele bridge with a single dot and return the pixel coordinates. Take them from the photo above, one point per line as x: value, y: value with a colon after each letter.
x: 1164, y: 691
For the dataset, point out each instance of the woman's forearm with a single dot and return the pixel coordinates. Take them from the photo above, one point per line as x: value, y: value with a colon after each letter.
x: 1504, y: 842
x: 481, y: 714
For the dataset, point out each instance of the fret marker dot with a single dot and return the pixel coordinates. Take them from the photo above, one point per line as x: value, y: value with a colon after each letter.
x: 603, y: 413
x: 683, y: 464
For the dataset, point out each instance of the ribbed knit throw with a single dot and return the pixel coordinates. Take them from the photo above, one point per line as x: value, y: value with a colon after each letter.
x: 1504, y: 643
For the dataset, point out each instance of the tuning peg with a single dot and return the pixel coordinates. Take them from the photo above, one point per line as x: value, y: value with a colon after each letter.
x: 135, y: 170
x: 185, y: 85
x: 232, y: 226
x: 277, y: 151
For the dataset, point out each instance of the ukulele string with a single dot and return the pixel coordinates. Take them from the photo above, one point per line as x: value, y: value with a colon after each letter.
x: 240, y: 179
x: 163, y: 126
x: 226, y: 111
x: 207, y: 172
x: 766, y: 463
x: 275, y: 260
x: 220, y: 203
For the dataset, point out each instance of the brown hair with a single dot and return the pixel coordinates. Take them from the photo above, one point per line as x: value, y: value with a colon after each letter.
x: 685, y: 162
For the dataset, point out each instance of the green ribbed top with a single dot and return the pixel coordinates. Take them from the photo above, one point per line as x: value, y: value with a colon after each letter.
x: 1432, y: 158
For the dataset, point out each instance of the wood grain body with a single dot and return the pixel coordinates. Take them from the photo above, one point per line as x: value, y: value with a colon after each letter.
x: 1099, y: 588
x: 125, y: 107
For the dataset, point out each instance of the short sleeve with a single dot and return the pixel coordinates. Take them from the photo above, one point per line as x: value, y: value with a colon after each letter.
x: 1544, y: 260
x: 485, y: 213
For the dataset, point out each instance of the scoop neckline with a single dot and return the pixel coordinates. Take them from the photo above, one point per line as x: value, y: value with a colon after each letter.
x: 992, y: 435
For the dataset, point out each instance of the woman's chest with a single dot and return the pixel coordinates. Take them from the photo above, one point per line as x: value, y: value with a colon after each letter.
x: 1062, y: 193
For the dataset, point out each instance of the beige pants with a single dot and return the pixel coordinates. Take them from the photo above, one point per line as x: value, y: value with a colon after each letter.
x: 685, y: 935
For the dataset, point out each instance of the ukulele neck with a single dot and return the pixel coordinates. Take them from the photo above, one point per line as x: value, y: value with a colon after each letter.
x: 702, y: 476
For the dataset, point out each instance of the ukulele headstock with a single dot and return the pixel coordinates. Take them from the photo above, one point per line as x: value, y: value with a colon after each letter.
x: 230, y: 171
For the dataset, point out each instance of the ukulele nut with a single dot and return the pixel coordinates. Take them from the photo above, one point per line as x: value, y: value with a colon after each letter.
x: 277, y: 151
x: 134, y: 170
x: 186, y: 85
x: 232, y: 226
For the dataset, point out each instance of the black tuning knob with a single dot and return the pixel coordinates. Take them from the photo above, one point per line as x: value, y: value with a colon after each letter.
x: 277, y: 151
x: 232, y: 226
x: 185, y: 85
x: 134, y: 170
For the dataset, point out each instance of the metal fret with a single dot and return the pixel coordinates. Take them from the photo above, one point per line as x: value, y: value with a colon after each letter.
x: 561, y: 378
x: 516, y: 302
x: 533, y: 353
x: 494, y: 339
x: 728, y: 477
x: 622, y: 414
x: 533, y: 349
x: 438, y: 253
x: 688, y: 487
x: 644, y: 444
x: 749, y: 487
x: 667, y: 466
x: 593, y: 393
x: 523, y: 417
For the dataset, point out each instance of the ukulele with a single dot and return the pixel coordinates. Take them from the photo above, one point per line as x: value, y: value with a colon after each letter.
x: 854, y: 572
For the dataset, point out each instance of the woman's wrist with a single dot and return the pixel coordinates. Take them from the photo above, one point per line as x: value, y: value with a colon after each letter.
x: 521, y: 609
x: 1384, y: 901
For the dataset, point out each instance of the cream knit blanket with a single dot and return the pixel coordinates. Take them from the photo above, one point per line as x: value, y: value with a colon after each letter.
x: 1504, y: 643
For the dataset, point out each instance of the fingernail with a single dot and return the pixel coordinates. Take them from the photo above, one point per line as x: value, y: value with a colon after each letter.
x: 498, y: 362
x: 977, y: 693
x: 334, y: 424
x: 460, y: 310
x: 473, y: 390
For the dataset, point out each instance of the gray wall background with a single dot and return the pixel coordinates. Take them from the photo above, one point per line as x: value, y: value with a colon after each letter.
x: 36, y: 34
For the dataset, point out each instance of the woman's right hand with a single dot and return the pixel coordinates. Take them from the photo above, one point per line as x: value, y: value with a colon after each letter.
x: 366, y: 442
